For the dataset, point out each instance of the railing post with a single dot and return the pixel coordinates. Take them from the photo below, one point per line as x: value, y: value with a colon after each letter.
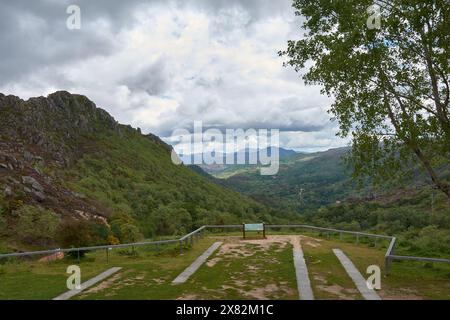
x: 357, y: 239
x: 181, y: 246
x: 387, y: 264
x: 78, y: 255
x: 107, y: 255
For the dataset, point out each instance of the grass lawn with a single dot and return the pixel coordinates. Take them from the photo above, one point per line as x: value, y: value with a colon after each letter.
x: 406, y: 280
x: 251, y: 269
x: 236, y: 271
x: 37, y: 280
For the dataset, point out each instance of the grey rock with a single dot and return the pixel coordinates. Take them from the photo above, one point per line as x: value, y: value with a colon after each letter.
x: 38, y: 170
x: 8, y: 191
x: 78, y: 195
x: 28, y: 156
x: 30, y: 181
x: 39, y: 195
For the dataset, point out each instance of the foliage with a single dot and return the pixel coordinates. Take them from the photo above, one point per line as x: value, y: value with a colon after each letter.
x: 420, y: 221
x: 148, y: 194
x: 75, y: 233
x: 2, y: 224
x: 2, y: 216
x: 390, y: 84
x: 125, y: 229
x: 113, y: 240
x: 36, y: 225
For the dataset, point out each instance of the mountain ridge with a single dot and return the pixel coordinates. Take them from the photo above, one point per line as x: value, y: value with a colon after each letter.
x: 67, y: 160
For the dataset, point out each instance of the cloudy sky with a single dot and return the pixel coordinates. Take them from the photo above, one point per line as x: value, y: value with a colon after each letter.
x: 161, y: 65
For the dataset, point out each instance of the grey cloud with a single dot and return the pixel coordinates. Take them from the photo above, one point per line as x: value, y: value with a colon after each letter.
x: 166, y: 89
x: 45, y: 41
x: 153, y: 79
x: 34, y: 36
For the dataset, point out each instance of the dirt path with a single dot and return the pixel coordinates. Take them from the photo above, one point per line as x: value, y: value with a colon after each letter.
x: 251, y: 269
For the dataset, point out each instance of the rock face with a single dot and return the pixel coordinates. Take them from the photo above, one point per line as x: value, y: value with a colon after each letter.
x: 55, y: 124
x: 30, y: 181
x: 40, y: 139
x: 54, y: 132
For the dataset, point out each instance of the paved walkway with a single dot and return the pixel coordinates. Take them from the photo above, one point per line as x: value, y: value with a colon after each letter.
x: 102, y: 276
x: 184, y: 276
x: 358, y: 279
x: 301, y: 271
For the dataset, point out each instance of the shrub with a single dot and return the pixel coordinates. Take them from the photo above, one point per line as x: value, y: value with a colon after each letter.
x: 2, y: 224
x: 113, y: 240
x: 36, y: 225
x: 125, y: 229
x: 130, y: 233
x: 74, y: 234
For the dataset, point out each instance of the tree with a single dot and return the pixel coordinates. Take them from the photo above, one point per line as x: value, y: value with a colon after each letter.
x: 124, y: 228
x: 74, y: 233
x: 390, y: 83
x: 130, y: 233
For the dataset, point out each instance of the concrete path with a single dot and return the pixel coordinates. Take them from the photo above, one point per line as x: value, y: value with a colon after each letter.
x: 102, y: 276
x: 301, y: 272
x: 358, y: 279
x: 184, y: 276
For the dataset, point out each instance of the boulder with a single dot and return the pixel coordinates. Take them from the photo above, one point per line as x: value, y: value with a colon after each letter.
x: 8, y: 191
x: 38, y: 195
x: 32, y: 182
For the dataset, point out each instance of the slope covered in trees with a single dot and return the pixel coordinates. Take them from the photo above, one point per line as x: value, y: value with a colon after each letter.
x: 74, y: 176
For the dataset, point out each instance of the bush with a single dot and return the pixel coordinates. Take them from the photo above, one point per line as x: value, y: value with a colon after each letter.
x: 113, y: 240
x: 130, y: 233
x: 2, y: 224
x: 124, y: 228
x: 36, y: 225
x: 74, y: 234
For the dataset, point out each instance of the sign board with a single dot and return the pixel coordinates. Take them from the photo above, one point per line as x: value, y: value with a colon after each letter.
x: 254, y: 227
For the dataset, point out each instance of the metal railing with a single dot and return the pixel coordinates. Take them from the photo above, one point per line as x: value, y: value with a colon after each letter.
x: 389, y: 257
x: 196, y: 234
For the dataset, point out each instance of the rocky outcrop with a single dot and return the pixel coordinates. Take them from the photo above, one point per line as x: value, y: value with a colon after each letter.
x: 49, y: 132
x: 54, y: 124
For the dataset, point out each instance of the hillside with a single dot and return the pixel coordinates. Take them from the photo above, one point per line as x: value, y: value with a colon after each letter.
x: 223, y: 171
x: 303, y: 181
x: 311, y: 180
x: 319, y: 186
x: 71, y: 175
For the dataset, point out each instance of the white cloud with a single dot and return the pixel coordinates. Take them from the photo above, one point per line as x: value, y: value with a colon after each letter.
x: 162, y: 65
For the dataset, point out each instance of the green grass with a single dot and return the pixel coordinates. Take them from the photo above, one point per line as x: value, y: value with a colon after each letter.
x: 248, y: 271
x: 37, y: 280
x: 406, y: 280
x: 265, y: 274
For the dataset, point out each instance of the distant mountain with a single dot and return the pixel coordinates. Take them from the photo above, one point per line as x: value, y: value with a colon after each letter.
x: 303, y: 181
x: 226, y: 170
x: 309, y: 181
x: 68, y: 163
